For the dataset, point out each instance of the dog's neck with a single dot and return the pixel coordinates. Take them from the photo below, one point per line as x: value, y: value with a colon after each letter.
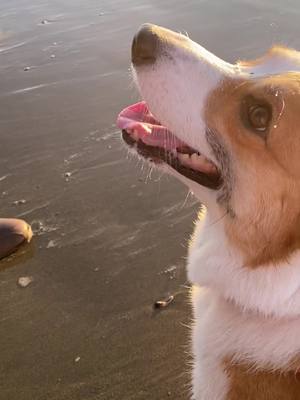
x: 269, y: 290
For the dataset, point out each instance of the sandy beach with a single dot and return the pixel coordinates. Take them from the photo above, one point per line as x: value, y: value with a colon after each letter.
x: 111, y: 236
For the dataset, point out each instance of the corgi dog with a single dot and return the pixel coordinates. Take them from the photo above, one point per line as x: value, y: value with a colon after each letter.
x: 231, y: 133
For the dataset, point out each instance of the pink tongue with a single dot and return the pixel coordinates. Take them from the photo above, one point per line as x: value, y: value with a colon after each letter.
x: 138, y: 118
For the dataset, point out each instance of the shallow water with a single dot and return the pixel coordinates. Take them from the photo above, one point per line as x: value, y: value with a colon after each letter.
x: 110, y: 236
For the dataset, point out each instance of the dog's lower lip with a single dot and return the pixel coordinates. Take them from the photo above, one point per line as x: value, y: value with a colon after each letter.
x: 160, y: 155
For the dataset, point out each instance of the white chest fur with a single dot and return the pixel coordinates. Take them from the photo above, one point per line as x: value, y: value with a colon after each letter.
x: 252, y: 315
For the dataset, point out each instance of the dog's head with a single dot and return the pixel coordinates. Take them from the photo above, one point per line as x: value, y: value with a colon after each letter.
x: 230, y: 132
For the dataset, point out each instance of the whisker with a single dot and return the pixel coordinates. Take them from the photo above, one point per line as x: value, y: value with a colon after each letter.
x: 186, y: 199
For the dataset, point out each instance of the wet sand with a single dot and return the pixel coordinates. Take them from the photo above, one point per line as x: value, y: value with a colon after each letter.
x: 110, y: 237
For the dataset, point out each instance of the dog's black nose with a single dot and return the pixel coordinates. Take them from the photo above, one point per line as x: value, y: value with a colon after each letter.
x: 145, y: 45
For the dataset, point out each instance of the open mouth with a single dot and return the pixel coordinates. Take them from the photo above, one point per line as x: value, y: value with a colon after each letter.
x: 156, y: 143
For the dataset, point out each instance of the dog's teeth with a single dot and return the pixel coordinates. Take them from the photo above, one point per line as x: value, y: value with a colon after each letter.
x: 197, y: 162
x: 183, y: 157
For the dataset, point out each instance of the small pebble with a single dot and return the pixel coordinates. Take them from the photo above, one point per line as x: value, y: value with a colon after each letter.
x: 51, y: 244
x: 52, y: 56
x: 164, y: 303
x: 25, y: 281
x: 19, y: 202
x: 170, y: 269
x: 27, y: 69
x: 96, y: 269
x: 45, y: 22
x: 77, y: 359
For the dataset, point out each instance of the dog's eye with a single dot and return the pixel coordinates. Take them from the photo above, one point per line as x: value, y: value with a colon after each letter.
x: 256, y: 115
x: 259, y: 117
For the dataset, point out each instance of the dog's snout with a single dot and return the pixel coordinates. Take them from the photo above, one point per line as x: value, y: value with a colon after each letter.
x: 145, y: 45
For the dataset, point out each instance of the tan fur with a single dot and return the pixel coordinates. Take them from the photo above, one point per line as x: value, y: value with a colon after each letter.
x: 274, y: 52
x: 248, y: 384
x: 266, y: 195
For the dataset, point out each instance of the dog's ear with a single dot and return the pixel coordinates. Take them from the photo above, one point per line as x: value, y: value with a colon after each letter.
x: 277, y: 60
